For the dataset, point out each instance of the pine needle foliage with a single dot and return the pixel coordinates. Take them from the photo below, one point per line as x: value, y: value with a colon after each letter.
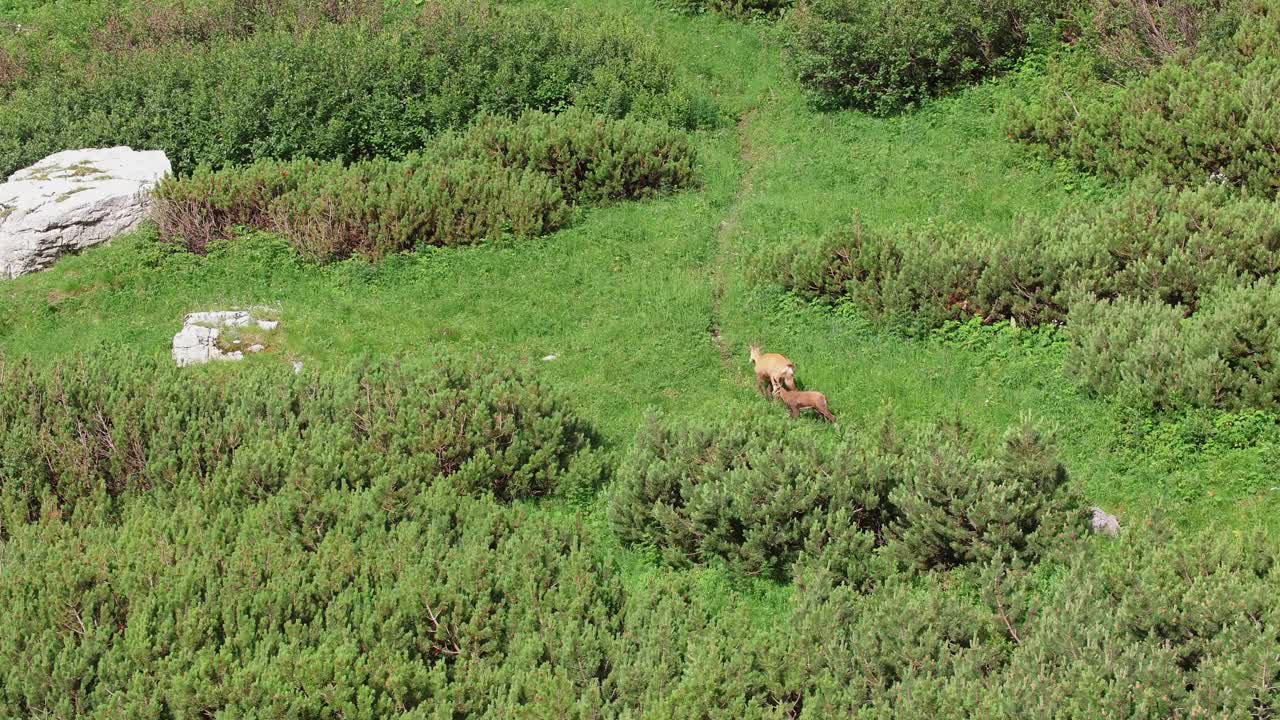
x: 765, y: 497
x: 884, y: 56
x: 1208, y: 118
x: 82, y: 436
x: 500, y: 177
x: 348, y: 91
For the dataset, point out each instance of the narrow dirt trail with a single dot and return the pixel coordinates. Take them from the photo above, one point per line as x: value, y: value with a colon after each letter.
x: 724, y: 237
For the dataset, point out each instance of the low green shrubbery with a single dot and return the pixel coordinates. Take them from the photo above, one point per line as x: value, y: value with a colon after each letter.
x: 763, y: 496
x: 317, y: 600
x: 1133, y: 37
x: 592, y: 159
x: 734, y: 8
x: 887, y: 55
x: 317, y: 604
x: 1225, y: 355
x: 1130, y: 277
x: 751, y: 493
x: 500, y: 176
x: 13, y: 68
x: 344, y: 91
x: 373, y: 207
x: 1209, y: 118
x: 242, y: 540
x: 1152, y: 626
x: 78, y: 436
x: 1165, y: 245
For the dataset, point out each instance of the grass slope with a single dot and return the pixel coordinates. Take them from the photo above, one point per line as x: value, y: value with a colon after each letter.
x: 652, y: 305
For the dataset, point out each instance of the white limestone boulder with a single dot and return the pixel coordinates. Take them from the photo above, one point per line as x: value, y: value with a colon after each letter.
x: 73, y: 200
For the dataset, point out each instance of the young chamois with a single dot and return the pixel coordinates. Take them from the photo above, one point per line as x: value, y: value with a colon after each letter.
x: 776, y: 369
x: 797, y: 400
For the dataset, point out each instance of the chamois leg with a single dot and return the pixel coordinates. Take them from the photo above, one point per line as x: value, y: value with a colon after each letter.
x: 826, y: 413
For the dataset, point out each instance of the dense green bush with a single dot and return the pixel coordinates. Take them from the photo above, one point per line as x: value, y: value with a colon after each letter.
x: 753, y: 492
x: 155, y: 23
x: 1133, y: 37
x: 953, y: 508
x: 12, y: 69
x: 263, y: 567
x: 500, y: 176
x: 1152, y: 626
x: 1130, y: 277
x: 344, y: 91
x: 735, y: 8
x: 379, y: 207
x: 208, y: 205
x: 918, y: 276
x: 91, y: 430
x: 1164, y: 245
x: 762, y: 496
x: 1226, y: 355
x: 1211, y: 118
x: 312, y: 602
x: 593, y: 159
x: 1156, y: 626
x: 886, y: 55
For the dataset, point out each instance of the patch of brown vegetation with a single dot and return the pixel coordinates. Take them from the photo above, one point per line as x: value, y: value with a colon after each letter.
x: 159, y: 23
x: 12, y: 69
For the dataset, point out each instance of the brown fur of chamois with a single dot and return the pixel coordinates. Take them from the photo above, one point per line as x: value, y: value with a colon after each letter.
x: 773, y: 368
x: 797, y: 400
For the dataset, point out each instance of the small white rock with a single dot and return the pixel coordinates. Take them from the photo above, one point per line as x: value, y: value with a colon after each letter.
x: 297, y: 366
x: 549, y: 358
x: 197, y: 342
x: 1104, y: 522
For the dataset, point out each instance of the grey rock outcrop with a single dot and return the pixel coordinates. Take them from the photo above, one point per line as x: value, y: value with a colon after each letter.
x: 200, y: 340
x: 1104, y: 522
x: 73, y: 200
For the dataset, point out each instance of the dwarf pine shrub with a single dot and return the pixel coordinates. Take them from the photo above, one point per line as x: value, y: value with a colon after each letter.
x: 78, y: 436
x: 886, y: 55
x: 1156, y: 625
x: 318, y: 600
x: 954, y: 508
x: 1226, y: 355
x: 374, y: 208
x: 919, y: 276
x: 1160, y: 244
x: 500, y: 177
x: 1134, y: 37
x: 262, y: 565
x: 1132, y: 277
x: 379, y: 207
x: 343, y: 91
x: 594, y: 159
x: 749, y: 491
x: 207, y: 205
x: 763, y: 496
x: 732, y: 8
x: 1208, y: 119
